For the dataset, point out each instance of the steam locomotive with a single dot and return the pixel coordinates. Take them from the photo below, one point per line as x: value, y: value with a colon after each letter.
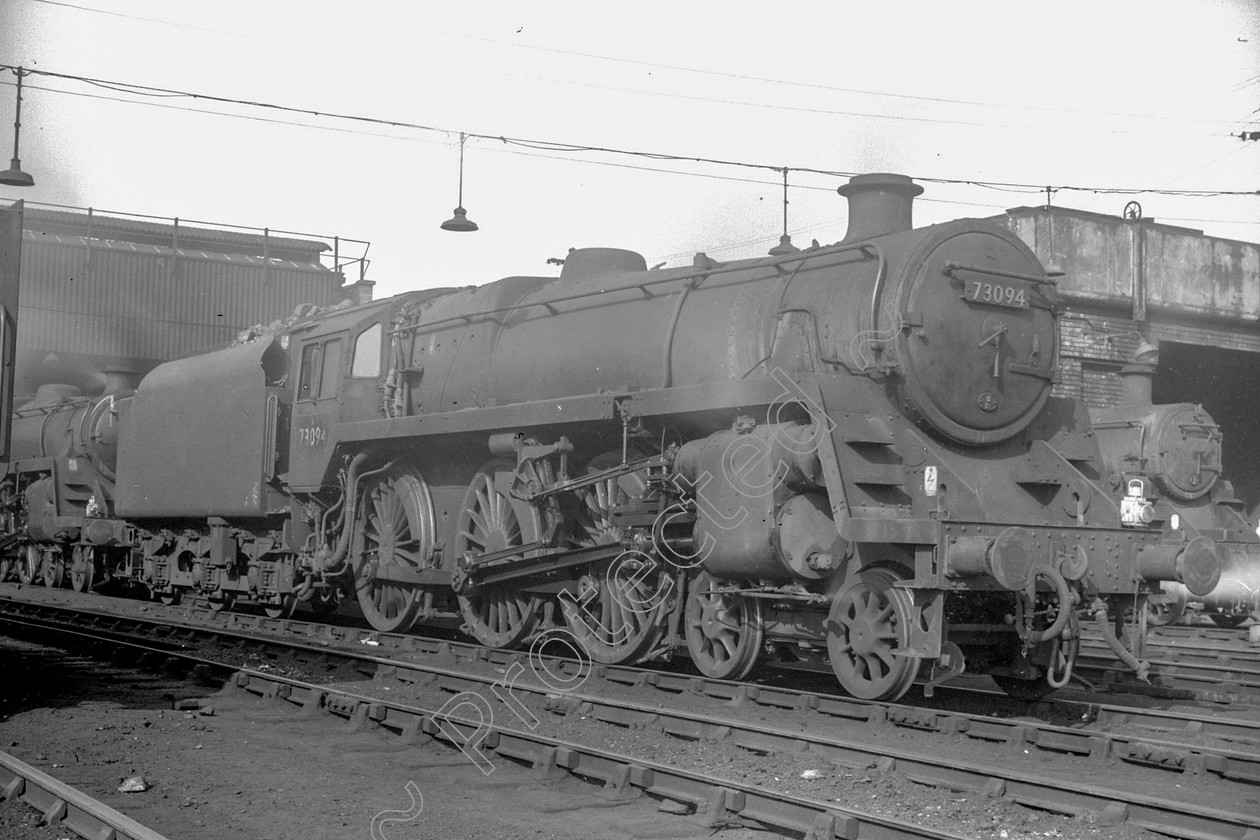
x: 847, y: 454
x: 1174, y: 451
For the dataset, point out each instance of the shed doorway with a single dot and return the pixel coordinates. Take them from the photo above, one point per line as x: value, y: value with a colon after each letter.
x: 1227, y: 384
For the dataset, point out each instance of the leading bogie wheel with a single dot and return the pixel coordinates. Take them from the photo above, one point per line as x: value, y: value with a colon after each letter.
x: 395, y: 524
x: 491, y: 520
x: 83, y: 568
x: 869, y: 624
x: 724, y: 629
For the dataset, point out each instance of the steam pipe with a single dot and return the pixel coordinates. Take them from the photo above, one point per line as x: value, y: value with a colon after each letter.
x: 343, y: 545
x: 337, y: 561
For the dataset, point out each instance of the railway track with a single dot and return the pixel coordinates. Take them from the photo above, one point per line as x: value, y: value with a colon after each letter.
x: 61, y: 805
x: 717, y: 716
x: 1069, y: 706
x: 710, y: 801
x: 1224, y: 651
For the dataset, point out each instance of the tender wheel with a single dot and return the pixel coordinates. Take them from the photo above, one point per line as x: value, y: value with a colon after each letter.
x: 222, y: 602
x: 54, y: 573
x: 285, y: 609
x: 396, y: 527
x: 869, y: 622
x: 83, y: 568
x: 488, y: 521
x: 30, y: 567
x: 1162, y: 610
x: 1228, y: 621
x: 724, y: 631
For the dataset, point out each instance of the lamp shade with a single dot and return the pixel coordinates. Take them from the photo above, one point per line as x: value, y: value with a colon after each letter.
x: 15, y: 177
x: 460, y: 223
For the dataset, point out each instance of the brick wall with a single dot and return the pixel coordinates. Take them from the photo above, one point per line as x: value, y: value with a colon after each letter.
x: 1092, y: 350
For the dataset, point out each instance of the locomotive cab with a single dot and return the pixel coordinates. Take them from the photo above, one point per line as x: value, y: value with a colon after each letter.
x: 336, y: 365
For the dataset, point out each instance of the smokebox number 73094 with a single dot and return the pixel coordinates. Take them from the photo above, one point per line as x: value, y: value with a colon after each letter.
x: 999, y: 294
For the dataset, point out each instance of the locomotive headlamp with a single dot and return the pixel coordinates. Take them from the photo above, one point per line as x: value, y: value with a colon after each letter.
x: 1135, y: 510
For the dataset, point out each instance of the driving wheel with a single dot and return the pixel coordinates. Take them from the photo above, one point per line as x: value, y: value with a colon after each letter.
x: 396, y: 524
x: 490, y: 520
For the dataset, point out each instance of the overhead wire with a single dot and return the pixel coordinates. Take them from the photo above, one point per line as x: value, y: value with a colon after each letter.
x: 799, y: 109
x: 818, y: 86
x: 560, y: 146
x: 126, y: 16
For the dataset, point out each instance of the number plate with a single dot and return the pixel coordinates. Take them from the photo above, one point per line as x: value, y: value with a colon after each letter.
x: 997, y: 294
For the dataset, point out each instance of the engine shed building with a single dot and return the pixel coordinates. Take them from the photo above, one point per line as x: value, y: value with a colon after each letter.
x: 104, y: 291
x: 1195, y: 297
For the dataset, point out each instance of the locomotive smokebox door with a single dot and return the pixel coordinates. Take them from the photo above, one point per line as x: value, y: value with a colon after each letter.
x: 978, y: 336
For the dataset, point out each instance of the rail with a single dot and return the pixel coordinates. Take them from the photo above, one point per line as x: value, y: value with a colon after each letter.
x: 62, y: 805
x: 1182, y: 818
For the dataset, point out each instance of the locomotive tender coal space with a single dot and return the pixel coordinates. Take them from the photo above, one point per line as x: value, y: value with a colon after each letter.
x: 847, y: 454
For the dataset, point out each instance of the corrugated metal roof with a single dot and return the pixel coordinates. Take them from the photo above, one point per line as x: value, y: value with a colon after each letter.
x: 102, y: 245
x: 160, y: 233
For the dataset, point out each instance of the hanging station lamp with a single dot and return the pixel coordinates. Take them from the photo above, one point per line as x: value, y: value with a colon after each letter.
x: 14, y: 176
x: 785, y: 246
x: 460, y: 222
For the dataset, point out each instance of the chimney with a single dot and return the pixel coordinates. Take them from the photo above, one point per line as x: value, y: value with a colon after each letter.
x: 879, y: 203
x: 1136, y: 377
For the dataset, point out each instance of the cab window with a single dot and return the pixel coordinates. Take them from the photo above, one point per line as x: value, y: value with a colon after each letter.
x: 366, y: 363
x: 320, y: 376
x: 331, y: 377
x: 310, y: 370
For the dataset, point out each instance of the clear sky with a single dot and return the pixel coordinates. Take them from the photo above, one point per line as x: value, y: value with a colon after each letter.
x: 1099, y: 94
